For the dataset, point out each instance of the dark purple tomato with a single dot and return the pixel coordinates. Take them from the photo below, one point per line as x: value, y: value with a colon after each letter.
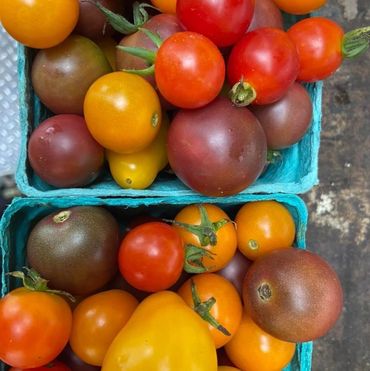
x: 62, y: 75
x: 266, y: 14
x: 92, y: 23
x: 75, y: 249
x: 75, y: 363
x: 217, y: 150
x: 63, y: 153
x: 236, y: 270
x: 293, y: 294
x: 286, y: 121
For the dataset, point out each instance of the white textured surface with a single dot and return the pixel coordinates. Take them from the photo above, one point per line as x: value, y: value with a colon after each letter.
x: 9, y: 109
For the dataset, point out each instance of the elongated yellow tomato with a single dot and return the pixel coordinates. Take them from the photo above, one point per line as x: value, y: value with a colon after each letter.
x: 139, y: 170
x: 122, y: 112
x: 163, y: 334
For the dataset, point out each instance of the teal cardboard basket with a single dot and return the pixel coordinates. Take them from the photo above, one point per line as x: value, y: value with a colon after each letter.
x: 23, y: 213
x: 296, y: 172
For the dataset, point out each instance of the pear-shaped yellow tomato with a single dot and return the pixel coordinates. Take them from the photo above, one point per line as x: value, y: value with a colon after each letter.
x: 139, y: 170
x: 163, y: 334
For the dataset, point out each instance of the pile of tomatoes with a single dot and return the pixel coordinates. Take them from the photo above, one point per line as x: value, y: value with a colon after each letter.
x: 175, y: 88
x: 196, y: 290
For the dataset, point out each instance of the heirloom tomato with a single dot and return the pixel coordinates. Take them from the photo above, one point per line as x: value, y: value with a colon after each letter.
x: 52, y: 366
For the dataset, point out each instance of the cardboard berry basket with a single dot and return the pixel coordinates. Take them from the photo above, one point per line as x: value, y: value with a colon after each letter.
x: 23, y: 213
x: 295, y: 172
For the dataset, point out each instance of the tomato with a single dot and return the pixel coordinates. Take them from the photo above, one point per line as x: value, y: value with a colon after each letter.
x: 195, y: 61
x: 227, y: 368
x: 34, y: 327
x: 151, y: 256
x: 52, y: 366
x: 264, y: 226
x: 122, y: 112
x: 54, y: 147
x: 266, y: 14
x: 139, y: 170
x: 108, y: 47
x: 216, y: 300
x: 165, y: 6
x: 209, y: 227
x: 162, y: 334
x: 75, y: 363
x: 222, y: 21
x: 262, y: 66
x: 319, y: 46
x: 252, y: 349
x: 299, y: 7
x: 39, y: 23
x: 96, y: 322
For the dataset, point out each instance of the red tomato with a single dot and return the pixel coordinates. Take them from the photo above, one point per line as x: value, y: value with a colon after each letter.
x: 319, y: 45
x: 151, y: 256
x: 53, y: 366
x: 189, y: 70
x: 222, y: 21
x: 266, y: 60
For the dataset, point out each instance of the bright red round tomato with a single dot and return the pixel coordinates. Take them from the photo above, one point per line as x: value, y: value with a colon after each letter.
x: 52, y: 366
x: 189, y: 70
x: 266, y: 60
x: 319, y: 45
x: 222, y: 21
x: 151, y: 256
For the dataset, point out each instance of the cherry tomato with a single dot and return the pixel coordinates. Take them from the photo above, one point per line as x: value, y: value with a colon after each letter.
x: 263, y: 65
x: 263, y: 226
x: 165, y: 6
x: 222, y: 21
x: 216, y: 300
x: 52, y: 366
x: 34, y: 327
x: 266, y: 14
x: 151, y: 257
x: 96, y: 322
x: 209, y: 227
x: 75, y: 363
x: 227, y: 368
x: 252, y: 349
x: 122, y: 112
x: 39, y: 23
x: 195, y: 61
x: 299, y: 7
x: 108, y: 47
x: 319, y: 45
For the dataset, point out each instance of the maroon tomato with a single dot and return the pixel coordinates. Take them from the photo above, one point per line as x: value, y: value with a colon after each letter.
x: 266, y: 14
x: 189, y: 70
x: 222, y: 21
x: 319, y: 45
x: 262, y: 66
x: 75, y: 363
x: 151, y: 257
x: 287, y: 120
x: 217, y: 150
x: 63, y: 153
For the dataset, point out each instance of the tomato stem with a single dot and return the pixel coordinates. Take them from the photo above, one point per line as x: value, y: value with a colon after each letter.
x: 356, y: 42
x: 204, y: 308
x: 34, y: 282
x: 144, y: 72
x: 154, y: 37
x: 146, y: 54
x: 273, y: 156
x: 242, y: 94
x: 62, y: 216
x: 194, y: 259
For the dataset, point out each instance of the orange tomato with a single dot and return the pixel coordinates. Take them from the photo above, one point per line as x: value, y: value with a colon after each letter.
x: 252, y: 349
x: 122, y: 112
x: 216, y: 233
x: 216, y: 300
x: 165, y: 6
x: 263, y: 226
x: 96, y: 322
x: 39, y: 23
x: 299, y: 6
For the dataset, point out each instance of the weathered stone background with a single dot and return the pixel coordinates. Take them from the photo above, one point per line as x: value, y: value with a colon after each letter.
x: 340, y: 206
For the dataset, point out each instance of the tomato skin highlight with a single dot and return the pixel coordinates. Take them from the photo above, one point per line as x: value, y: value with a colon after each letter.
x: 267, y: 59
x: 222, y: 21
x: 189, y: 70
x: 34, y: 327
x: 319, y: 45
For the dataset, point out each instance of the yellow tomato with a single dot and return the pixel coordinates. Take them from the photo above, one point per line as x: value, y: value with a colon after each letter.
x: 122, y: 112
x: 139, y: 170
x: 162, y: 334
x: 165, y: 6
x: 39, y: 23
